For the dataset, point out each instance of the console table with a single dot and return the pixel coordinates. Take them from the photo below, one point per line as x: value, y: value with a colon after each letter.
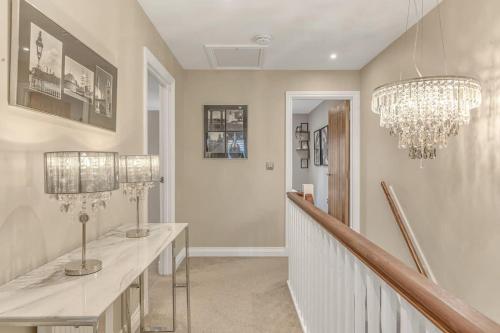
x: 47, y: 297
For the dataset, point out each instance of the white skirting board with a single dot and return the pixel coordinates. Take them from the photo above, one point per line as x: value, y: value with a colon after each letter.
x: 65, y: 330
x: 237, y: 252
x: 299, y: 314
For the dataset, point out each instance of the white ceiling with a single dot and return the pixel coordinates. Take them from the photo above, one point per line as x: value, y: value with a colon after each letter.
x: 305, y: 33
x: 304, y: 106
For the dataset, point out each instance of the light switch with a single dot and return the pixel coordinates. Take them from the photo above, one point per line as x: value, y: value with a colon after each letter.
x: 269, y: 165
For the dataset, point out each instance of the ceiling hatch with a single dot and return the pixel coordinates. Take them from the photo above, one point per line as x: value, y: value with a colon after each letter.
x: 235, y: 56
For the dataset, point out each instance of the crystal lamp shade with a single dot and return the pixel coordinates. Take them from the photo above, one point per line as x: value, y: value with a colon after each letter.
x: 424, y: 112
x: 82, y: 172
x: 139, y: 169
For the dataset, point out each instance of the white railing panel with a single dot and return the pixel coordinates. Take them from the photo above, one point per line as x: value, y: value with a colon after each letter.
x: 334, y: 292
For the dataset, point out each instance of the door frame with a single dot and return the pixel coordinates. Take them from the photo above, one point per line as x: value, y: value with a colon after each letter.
x: 354, y: 137
x: 152, y: 65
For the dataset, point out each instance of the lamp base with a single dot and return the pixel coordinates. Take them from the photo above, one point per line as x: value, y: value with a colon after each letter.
x: 79, y: 268
x: 137, y: 233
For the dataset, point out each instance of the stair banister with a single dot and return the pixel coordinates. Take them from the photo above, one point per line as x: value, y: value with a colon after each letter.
x: 342, y: 282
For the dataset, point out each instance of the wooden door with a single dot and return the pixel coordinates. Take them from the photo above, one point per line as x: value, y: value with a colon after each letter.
x: 338, y: 162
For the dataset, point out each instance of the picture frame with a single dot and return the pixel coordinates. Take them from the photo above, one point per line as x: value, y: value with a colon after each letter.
x: 53, y: 72
x: 317, y: 147
x: 304, y: 144
x: 324, y: 145
x: 304, y: 163
x: 304, y: 127
x: 225, y: 131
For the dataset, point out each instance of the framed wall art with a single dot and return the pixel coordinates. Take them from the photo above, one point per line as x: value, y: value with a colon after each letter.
x: 225, y: 131
x: 324, y: 145
x: 51, y: 71
x: 317, y: 147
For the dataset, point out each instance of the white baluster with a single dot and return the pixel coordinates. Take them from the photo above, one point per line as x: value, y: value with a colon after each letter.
x: 411, y: 321
x: 359, y: 297
x: 389, y: 309
x: 373, y: 302
x: 340, y: 288
x: 349, y: 293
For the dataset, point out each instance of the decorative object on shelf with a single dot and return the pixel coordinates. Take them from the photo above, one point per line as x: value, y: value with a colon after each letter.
x: 317, y: 147
x: 82, y: 180
x: 304, y: 163
x: 302, y: 135
x: 424, y: 112
x: 324, y: 145
x: 138, y: 173
x: 225, y: 131
x: 53, y: 72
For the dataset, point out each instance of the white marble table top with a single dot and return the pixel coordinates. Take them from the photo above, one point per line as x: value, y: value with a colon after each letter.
x: 46, y: 294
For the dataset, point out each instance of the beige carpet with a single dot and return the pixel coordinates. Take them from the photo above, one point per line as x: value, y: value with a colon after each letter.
x: 243, y: 295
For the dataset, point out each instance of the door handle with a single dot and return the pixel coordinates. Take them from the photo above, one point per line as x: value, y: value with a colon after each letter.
x: 162, y: 179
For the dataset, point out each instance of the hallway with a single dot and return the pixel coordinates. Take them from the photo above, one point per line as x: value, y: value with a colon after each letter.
x: 244, y: 295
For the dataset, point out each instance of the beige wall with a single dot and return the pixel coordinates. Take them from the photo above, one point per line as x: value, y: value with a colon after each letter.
x: 452, y: 202
x: 32, y: 230
x: 239, y: 202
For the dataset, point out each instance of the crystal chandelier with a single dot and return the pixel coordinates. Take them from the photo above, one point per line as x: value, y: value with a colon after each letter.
x: 424, y: 112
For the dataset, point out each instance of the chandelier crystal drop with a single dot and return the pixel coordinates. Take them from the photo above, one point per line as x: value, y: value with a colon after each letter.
x: 424, y: 112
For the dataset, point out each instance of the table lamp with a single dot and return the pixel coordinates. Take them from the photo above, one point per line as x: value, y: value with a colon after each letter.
x: 82, y: 180
x: 138, y: 173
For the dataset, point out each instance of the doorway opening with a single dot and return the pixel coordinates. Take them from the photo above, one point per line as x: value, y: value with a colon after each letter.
x: 322, y: 150
x: 159, y: 139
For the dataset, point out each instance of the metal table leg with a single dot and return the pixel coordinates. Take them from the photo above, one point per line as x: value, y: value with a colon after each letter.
x: 188, y: 287
x: 175, y: 285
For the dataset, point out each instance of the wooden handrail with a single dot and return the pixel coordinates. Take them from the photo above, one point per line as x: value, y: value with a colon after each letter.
x: 404, y: 231
x: 447, y: 312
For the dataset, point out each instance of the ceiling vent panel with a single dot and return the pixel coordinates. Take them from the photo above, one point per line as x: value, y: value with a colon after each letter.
x: 235, y: 56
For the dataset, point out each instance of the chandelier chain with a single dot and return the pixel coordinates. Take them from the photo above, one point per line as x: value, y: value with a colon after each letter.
x: 442, y: 37
x: 415, y: 44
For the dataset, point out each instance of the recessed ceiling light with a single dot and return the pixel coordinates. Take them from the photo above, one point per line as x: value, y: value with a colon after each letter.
x: 333, y: 56
x: 263, y: 39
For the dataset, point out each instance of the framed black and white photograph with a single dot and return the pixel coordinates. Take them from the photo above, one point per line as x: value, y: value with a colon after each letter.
x: 324, y: 145
x: 235, y: 145
x: 103, y: 93
x: 317, y: 147
x: 225, y: 128
x: 216, y: 120
x: 304, y: 127
x: 304, y: 163
x: 78, y: 81
x: 53, y: 72
x: 45, y: 62
x: 216, y: 143
x: 234, y: 119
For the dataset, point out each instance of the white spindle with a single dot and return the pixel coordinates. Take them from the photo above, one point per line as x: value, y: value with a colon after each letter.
x: 359, y: 298
x: 373, y: 302
x: 389, y: 309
